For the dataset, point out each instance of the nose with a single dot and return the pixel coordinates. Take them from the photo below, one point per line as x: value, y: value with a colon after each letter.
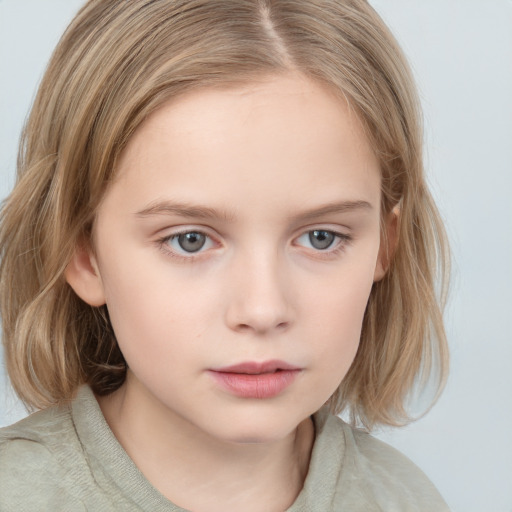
x: 259, y: 298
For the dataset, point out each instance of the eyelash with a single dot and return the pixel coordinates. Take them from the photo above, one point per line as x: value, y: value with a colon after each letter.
x: 339, y: 245
x: 163, y: 244
x: 343, y: 240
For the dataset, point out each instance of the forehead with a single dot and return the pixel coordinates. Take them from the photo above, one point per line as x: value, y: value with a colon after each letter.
x: 281, y: 133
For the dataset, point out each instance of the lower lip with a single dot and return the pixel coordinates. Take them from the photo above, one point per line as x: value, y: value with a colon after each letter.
x: 262, y: 385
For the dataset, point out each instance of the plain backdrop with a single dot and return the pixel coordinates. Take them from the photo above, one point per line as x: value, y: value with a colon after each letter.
x: 461, y: 53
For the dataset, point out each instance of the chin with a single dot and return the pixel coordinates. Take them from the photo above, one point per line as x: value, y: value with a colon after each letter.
x: 258, y: 427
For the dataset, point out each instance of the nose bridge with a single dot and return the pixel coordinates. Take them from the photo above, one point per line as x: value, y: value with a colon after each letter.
x: 260, y: 294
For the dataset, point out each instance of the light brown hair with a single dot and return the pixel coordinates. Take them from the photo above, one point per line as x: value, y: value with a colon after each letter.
x: 120, y: 61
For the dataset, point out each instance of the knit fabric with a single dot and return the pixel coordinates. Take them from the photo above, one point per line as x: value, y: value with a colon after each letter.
x: 67, y: 458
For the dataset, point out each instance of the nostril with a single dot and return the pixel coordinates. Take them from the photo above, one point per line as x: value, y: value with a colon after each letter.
x: 258, y: 313
x: 241, y: 327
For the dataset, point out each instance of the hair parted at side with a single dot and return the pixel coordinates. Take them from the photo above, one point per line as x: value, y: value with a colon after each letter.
x: 120, y: 61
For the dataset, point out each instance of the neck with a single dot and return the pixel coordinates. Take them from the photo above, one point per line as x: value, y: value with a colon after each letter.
x: 199, y: 472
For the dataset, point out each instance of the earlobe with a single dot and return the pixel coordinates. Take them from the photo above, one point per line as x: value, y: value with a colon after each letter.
x: 83, y: 276
x: 388, y: 244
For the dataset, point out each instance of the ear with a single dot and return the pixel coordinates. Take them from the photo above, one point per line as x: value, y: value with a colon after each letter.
x: 388, y: 243
x: 83, y: 276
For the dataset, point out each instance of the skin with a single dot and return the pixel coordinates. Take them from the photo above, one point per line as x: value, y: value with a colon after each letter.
x: 271, y: 162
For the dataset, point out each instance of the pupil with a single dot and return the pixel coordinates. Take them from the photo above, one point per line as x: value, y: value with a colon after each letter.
x: 191, y: 242
x: 321, y: 239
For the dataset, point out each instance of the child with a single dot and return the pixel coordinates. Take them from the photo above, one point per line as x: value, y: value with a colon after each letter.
x: 220, y: 238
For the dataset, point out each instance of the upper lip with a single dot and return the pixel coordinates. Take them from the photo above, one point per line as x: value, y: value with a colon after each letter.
x: 254, y: 368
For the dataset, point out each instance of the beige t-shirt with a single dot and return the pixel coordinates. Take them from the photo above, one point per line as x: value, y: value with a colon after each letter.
x: 67, y: 459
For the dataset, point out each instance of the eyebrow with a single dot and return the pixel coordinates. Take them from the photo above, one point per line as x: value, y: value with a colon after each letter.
x: 333, y: 208
x: 184, y: 210
x: 166, y: 207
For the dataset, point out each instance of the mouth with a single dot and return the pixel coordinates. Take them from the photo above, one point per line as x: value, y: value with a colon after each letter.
x: 256, y: 380
x: 255, y: 368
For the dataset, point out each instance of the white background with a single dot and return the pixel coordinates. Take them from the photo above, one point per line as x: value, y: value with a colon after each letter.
x: 461, y: 52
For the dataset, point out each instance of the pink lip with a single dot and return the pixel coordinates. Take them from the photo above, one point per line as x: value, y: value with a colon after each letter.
x: 256, y: 380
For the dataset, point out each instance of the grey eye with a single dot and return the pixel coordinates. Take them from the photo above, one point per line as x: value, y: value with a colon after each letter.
x: 191, y: 242
x: 321, y: 239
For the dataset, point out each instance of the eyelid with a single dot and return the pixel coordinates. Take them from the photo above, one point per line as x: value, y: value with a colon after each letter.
x: 164, y: 246
x: 337, y: 234
x: 336, y: 229
x: 343, y: 240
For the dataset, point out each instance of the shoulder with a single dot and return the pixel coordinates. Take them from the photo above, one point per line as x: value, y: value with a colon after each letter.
x: 381, y: 477
x: 43, y: 433
x: 35, y: 455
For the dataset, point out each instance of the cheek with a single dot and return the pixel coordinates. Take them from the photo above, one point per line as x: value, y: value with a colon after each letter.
x: 158, y: 314
x: 142, y: 305
x: 337, y: 315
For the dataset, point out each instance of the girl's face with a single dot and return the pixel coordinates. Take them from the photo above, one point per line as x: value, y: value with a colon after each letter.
x: 242, y: 230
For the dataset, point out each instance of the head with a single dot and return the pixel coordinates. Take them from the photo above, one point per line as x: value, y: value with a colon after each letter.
x: 117, y: 68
